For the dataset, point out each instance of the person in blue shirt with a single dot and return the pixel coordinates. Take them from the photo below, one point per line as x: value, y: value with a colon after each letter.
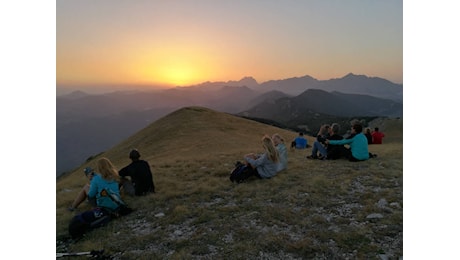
x: 358, y: 150
x: 300, y: 142
x: 104, y: 184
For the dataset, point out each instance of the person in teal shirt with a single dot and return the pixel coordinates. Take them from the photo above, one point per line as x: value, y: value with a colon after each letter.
x: 358, y: 150
x: 104, y: 184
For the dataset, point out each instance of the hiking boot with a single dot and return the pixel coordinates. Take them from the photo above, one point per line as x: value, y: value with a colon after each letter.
x: 312, y: 157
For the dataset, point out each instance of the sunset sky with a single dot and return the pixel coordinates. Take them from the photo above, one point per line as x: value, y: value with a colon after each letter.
x: 112, y: 42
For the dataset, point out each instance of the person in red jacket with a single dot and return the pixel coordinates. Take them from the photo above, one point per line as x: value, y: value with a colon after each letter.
x: 377, y: 136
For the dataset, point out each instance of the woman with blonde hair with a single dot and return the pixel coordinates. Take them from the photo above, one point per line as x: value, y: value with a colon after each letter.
x: 105, y: 185
x: 278, y: 141
x: 263, y: 166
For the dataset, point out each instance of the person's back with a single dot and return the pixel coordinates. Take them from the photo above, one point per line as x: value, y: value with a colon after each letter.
x: 335, y: 151
x: 97, y: 187
x: 359, y: 147
x: 300, y: 142
x: 140, y: 173
x: 141, y: 176
x: 278, y: 141
x: 377, y: 136
x: 282, y: 151
x: 104, y: 184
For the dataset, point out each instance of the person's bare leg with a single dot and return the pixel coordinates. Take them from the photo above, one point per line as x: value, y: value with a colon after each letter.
x: 82, y: 195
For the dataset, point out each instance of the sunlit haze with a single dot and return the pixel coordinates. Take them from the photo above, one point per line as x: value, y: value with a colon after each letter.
x: 171, y: 43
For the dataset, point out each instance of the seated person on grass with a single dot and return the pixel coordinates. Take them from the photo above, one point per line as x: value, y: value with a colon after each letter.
x: 358, y: 150
x: 300, y: 142
x: 330, y: 151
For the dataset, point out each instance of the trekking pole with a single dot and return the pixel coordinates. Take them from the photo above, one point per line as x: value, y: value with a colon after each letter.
x: 92, y: 253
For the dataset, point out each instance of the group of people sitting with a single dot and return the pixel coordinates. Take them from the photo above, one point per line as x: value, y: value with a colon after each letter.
x: 105, y: 184
x: 109, y: 179
x: 329, y: 144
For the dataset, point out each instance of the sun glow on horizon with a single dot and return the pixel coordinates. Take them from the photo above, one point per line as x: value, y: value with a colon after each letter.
x: 175, y: 65
x: 171, y: 74
x: 159, y: 43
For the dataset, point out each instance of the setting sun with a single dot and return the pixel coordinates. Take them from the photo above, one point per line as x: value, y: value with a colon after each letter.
x: 174, y: 65
x: 179, y: 75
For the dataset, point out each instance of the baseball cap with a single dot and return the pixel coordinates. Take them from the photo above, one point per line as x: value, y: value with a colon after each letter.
x: 88, y: 170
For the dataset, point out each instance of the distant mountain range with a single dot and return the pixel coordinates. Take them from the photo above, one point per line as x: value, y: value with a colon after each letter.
x: 309, y: 110
x: 319, y: 101
x: 89, y: 124
x: 352, y: 84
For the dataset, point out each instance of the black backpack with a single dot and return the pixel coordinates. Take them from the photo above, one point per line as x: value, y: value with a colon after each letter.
x: 239, y: 173
x: 87, y: 221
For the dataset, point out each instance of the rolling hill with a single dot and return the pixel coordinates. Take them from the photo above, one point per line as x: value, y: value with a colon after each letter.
x: 191, y: 132
x: 314, y: 209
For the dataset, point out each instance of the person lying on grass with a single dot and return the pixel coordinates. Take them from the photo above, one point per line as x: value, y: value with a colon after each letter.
x: 264, y: 166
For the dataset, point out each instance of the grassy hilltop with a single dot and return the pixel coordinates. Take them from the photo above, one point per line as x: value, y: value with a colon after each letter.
x: 315, y: 209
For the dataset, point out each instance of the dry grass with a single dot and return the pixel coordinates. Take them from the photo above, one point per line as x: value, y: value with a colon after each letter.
x: 315, y: 209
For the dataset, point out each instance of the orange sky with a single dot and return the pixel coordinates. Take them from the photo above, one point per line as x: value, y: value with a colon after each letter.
x: 189, y: 42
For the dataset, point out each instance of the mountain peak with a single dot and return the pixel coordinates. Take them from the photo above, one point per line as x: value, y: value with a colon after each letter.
x: 246, y: 81
x: 351, y: 75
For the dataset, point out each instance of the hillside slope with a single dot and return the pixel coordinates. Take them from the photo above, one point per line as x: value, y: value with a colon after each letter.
x: 191, y: 133
x: 315, y: 209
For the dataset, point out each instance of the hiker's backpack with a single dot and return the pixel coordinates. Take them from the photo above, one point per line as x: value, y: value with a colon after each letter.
x: 97, y: 217
x: 239, y: 173
x: 122, y: 209
x: 88, y: 220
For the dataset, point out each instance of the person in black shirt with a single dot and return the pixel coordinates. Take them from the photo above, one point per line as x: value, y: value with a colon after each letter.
x: 331, y: 152
x: 368, y: 135
x: 335, y: 151
x: 140, y: 173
